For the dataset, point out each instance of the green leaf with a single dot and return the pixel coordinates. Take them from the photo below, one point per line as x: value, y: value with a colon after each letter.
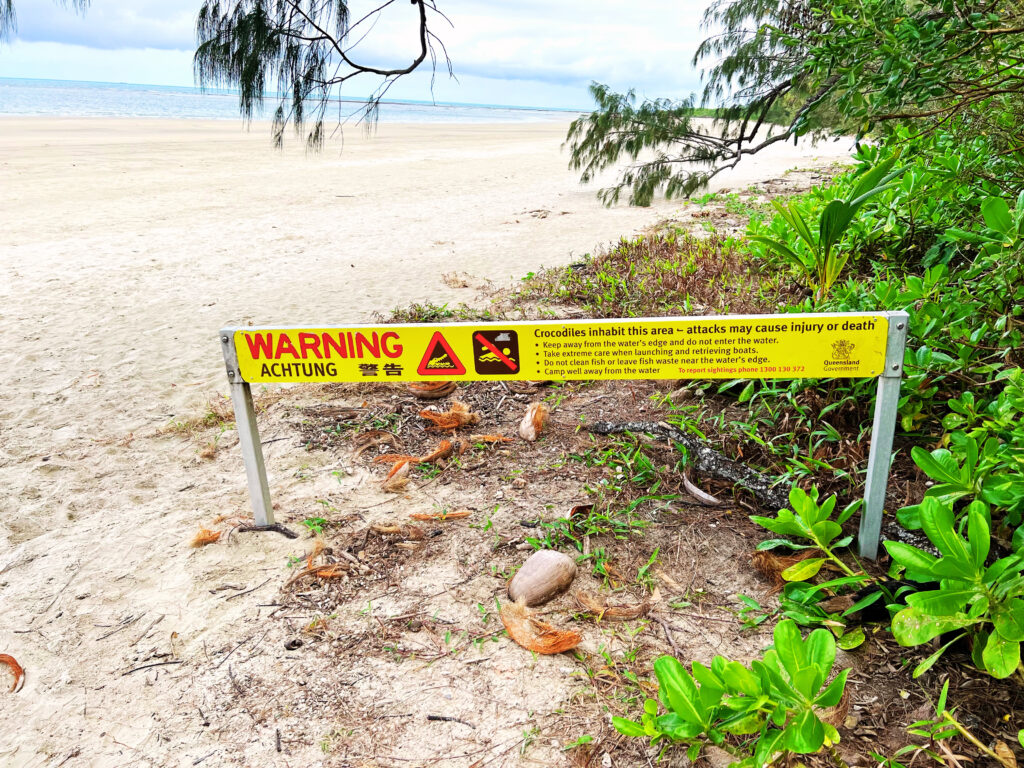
x: 832, y: 695
x: 996, y: 213
x: 805, y: 734
x: 941, y: 602
x: 1001, y: 657
x: 860, y: 605
x: 804, y: 569
x: 679, y: 689
x: 833, y: 223
x: 925, y: 665
x: 854, y: 639
x: 628, y: 727
x: 821, y: 650
x: 978, y: 535
x: 911, y: 558
x: 775, y: 543
x: 912, y: 626
x: 1008, y: 619
x: 939, y: 465
x: 789, y: 647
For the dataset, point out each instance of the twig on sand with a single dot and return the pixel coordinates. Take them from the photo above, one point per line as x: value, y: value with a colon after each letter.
x: 239, y: 594
x: 148, y: 666
x: 704, y: 459
x: 449, y: 719
x: 668, y: 634
x: 275, y: 527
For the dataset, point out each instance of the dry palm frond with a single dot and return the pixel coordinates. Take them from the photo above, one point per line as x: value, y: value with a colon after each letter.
x: 595, y: 605
x: 318, y: 547
x: 332, y: 571
x: 458, y: 514
x: 410, y: 532
x: 372, y: 439
x: 533, y: 633
x: 16, y: 670
x: 499, y: 438
x: 431, y: 390
x: 204, y: 536
x: 458, y: 416
x: 534, y: 421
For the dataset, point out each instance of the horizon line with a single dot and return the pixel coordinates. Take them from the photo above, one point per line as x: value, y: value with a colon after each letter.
x: 354, y: 99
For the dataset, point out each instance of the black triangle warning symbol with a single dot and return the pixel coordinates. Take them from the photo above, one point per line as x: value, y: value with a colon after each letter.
x: 439, y: 359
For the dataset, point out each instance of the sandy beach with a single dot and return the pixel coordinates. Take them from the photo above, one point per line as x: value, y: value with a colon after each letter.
x: 125, y: 245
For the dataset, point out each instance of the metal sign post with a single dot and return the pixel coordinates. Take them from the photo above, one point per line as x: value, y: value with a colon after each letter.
x: 835, y: 345
x: 887, y: 400
x: 248, y: 436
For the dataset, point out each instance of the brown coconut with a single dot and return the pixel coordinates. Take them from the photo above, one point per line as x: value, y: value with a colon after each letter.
x: 544, y: 575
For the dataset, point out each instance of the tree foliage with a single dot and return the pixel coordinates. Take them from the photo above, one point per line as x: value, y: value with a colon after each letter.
x: 864, y: 66
x: 301, y: 51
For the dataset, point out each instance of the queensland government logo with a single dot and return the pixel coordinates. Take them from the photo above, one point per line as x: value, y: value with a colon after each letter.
x: 842, y: 349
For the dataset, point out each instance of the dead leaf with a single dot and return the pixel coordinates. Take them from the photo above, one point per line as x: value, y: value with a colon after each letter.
x: 1005, y: 754
x: 534, y: 421
x: 618, y: 612
x: 533, y: 633
x: 16, y: 670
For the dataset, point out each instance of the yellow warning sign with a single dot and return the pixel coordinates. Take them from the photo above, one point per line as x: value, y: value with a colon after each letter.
x: 843, y: 345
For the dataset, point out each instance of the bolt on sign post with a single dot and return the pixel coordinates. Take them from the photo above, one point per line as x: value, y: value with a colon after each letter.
x: 839, y: 345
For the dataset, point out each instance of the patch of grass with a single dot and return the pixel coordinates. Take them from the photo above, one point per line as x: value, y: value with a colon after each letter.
x: 671, y: 273
x: 428, y: 312
x: 219, y: 413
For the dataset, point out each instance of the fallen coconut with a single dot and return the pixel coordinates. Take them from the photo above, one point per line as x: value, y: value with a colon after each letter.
x: 544, y: 575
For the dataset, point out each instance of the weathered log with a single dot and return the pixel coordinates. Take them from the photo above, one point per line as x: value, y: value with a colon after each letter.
x: 706, y: 460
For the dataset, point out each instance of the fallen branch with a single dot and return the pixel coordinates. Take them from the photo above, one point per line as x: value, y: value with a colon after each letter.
x: 705, y: 459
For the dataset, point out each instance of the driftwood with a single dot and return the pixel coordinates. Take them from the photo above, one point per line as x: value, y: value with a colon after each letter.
x: 705, y: 459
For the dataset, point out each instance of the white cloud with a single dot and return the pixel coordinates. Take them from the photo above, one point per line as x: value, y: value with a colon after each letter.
x: 553, y: 49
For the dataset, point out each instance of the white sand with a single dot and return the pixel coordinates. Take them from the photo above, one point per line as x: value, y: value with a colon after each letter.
x: 126, y: 245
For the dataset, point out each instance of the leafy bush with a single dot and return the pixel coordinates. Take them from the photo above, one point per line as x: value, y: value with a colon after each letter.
x: 985, y: 602
x: 754, y: 714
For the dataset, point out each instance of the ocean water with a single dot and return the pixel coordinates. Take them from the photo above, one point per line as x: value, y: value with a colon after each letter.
x: 72, y: 98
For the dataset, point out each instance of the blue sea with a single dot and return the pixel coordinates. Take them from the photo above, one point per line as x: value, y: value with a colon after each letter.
x: 72, y: 98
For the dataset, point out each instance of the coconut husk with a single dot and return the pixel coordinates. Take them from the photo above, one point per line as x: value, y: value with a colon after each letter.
x: 458, y: 416
x: 431, y: 390
x: 534, y: 421
x: 593, y: 604
x: 771, y: 566
x: 16, y: 670
x: 203, y: 537
x: 536, y: 635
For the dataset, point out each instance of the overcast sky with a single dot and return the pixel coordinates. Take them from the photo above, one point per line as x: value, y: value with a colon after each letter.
x: 525, y: 52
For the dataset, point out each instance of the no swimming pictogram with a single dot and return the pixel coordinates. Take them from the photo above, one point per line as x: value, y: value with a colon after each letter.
x: 439, y: 359
x: 496, y: 352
